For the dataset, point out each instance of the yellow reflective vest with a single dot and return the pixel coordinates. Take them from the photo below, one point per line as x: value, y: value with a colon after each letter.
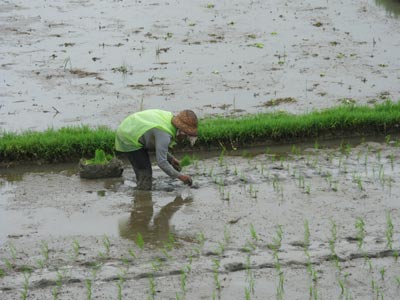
x: 135, y: 125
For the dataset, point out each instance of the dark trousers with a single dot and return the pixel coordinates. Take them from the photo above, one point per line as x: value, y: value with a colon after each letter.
x: 140, y: 161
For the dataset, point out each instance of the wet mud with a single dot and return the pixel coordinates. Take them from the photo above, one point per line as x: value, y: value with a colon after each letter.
x: 273, y: 223
x: 92, y: 62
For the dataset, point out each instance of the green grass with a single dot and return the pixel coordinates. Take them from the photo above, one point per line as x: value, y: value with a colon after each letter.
x: 72, y: 143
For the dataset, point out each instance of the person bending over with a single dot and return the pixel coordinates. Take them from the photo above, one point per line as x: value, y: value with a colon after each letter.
x: 158, y: 130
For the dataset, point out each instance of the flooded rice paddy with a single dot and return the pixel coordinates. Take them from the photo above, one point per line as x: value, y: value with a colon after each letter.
x: 290, y: 222
x: 92, y: 62
x: 276, y: 225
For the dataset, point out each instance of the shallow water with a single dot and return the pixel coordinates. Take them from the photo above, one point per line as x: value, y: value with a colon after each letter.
x: 93, y: 62
x: 241, y: 203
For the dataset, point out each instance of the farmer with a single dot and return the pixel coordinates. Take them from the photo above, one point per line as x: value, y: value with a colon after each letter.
x: 157, y: 130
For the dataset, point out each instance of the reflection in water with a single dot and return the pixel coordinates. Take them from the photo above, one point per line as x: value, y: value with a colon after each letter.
x: 140, y: 219
x: 391, y: 6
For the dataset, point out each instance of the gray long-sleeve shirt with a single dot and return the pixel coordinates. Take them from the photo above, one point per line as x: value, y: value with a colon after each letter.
x: 158, y: 140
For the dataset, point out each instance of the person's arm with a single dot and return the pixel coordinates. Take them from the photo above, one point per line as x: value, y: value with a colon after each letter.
x: 162, y: 141
x: 176, y: 164
x: 161, y: 144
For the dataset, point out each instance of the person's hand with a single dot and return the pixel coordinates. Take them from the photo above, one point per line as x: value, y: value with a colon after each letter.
x: 186, y: 179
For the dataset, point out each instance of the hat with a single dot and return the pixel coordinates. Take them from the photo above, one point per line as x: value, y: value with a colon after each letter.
x: 186, y: 121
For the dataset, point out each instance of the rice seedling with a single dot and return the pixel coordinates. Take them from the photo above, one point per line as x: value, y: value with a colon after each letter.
x: 247, y: 293
x: 252, y: 191
x: 139, y: 241
x: 13, y: 251
x: 396, y: 255
x: 359, y: 183
x: 332, y: 243
x: 8, y: 263
x: 397, y: 280
x: 308, y: 189
x: 44, y: 247
x: 25, y: 285
x: 156, y: 264
x: 55, y: 293
x: 221, y: 249
x: 216, y: 266
x: 107, y: 245
x: 382, y: 271
x: 306, y: 239
x: 391, y: 158
x: 75, y: 249
x: 221, y: 157
x: 120, y: 283
x: 184, y: 272
x: 186, y: 161
x: 360, y: 235
x: 389, y: 231
x: 253, y: 233
x: 152, y: 287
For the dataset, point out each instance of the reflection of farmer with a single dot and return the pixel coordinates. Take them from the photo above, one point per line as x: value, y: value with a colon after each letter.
x: 155, y: 129
x: 141, y: 215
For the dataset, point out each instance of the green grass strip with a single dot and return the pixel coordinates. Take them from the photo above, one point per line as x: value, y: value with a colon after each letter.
x: 72, y: 143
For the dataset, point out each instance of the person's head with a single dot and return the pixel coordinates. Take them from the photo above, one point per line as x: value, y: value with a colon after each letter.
x: 186, y: 124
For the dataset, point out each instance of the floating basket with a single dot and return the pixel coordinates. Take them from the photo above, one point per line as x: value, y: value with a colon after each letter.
x: 112, y: 168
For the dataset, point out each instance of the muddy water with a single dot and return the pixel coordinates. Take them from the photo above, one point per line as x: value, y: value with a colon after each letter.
x: 222, y: 234
x: 93, y: 62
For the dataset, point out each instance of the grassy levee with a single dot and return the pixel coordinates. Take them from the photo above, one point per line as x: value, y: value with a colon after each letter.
x: 71, y: 143
x: 346, y: 120
x: 62, y: 145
